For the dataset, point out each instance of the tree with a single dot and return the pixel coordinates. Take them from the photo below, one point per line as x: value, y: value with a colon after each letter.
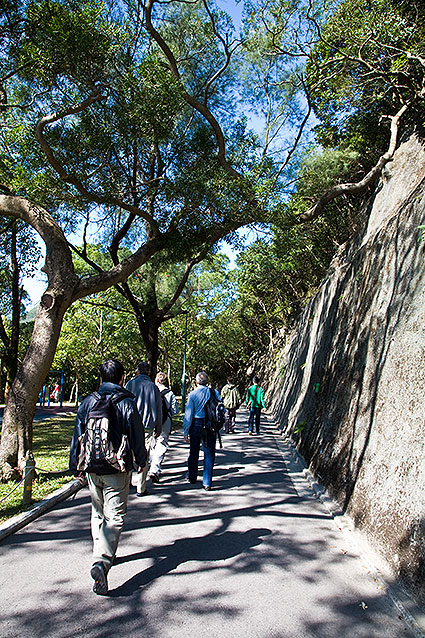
x: 107, y: 114
x: 367, y: 69
x: 364, y: 68
x: 18, y: 255
x: 207, y: 293
x: 152, y: 294
x: 105, y: 325
x: 132, y: 113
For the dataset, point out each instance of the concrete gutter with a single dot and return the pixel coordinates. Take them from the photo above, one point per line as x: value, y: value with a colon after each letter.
x: 305, y: 483
x: 17, y: 522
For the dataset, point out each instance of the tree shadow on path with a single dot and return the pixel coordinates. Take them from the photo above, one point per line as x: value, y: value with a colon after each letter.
x: 210, y: 548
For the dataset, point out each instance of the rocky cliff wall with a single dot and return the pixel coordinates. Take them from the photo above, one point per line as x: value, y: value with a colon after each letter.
x: 349, y: 386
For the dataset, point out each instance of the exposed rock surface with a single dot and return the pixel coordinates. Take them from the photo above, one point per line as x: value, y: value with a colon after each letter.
x: 351, y: 378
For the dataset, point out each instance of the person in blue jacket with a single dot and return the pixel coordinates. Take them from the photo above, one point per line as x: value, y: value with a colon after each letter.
x: 195, y: 434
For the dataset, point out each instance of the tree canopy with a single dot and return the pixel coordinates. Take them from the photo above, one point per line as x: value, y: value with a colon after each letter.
x: 104, y: 128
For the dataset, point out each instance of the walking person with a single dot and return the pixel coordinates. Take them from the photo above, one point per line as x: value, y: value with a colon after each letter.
x: 108, y: 476
x: 160, y: 442
x: 254, y: 401
x: 195, y: 433
x: 149, y: 405
x: 231, y: 401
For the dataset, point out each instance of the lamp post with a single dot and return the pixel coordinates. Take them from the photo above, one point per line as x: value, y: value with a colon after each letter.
x: 184, y: 365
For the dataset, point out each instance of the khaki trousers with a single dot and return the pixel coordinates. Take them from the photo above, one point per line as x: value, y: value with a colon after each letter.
x: 139, y: 480
x: 109, y: 495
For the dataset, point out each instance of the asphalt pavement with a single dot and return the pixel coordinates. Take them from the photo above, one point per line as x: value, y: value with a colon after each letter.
x: 260, y: 556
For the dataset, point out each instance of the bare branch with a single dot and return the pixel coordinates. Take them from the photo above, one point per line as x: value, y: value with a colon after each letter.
x: 190, y: 99
x: 104, y: 304
x: 228, y: 50
x: 179, y: 289
x: 372, y: 176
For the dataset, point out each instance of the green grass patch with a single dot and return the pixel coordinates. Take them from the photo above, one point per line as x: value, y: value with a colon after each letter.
x: 51, y: 443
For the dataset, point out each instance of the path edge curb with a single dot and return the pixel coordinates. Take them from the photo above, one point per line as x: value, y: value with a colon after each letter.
x: 17, y: 522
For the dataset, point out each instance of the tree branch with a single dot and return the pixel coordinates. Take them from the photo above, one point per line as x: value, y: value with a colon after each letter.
x: 72, y: 179
x: 190, y: 99
x: 104, y: 304
x: 51, y: 233
x: 228, y: 50
x: 179, y: 289
x: 372, y: 176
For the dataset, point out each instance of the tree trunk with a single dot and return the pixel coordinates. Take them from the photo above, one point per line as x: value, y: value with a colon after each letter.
x: 11, y: 358
x: 149, y: 330
x: 152, y: 347
x: 16, y: 436
x: 17, y: 430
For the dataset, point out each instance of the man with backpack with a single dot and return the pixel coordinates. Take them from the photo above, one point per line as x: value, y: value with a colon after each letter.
x: 199, y: 429
x: 254, y: 401
x: 231, y: 401
x: 160, y: 444
x: 149, y: 404
x: 108, y: 432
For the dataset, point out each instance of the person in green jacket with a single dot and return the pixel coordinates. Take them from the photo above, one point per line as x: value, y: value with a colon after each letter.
x: 231, y: 401
x: 254, y: 401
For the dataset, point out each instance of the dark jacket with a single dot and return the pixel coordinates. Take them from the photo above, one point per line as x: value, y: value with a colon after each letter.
x: 133, y: 426
x: 148, y: 401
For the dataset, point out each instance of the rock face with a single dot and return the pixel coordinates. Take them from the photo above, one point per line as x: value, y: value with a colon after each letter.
x: 349, y: 386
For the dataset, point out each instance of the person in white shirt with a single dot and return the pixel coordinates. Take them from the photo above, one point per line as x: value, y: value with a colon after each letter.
x: 160, y: 443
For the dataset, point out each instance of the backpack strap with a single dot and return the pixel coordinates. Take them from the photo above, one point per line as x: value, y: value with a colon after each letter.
x: 168, y: 414
x: 118, y: 396
x: 210, y: 401
x: 163, y: 393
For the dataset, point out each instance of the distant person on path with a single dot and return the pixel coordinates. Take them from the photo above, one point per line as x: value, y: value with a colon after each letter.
x: 148, y: 401
x: 108, y: 484
x: 231, y: 401
x: 254, y: 401
x: 160, y: 443
x: 195, y: 434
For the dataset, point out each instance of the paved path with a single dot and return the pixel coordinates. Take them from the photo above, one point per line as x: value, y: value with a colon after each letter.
x: 47, y: 412
x: 257, y: 557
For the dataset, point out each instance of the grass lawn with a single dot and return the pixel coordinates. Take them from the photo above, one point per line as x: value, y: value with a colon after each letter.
x: 52, y: 439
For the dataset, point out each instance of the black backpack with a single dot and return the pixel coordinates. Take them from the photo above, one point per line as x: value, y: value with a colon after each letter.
x: 214, y: 415
x: 165, y: 408
x: 103, y: 446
